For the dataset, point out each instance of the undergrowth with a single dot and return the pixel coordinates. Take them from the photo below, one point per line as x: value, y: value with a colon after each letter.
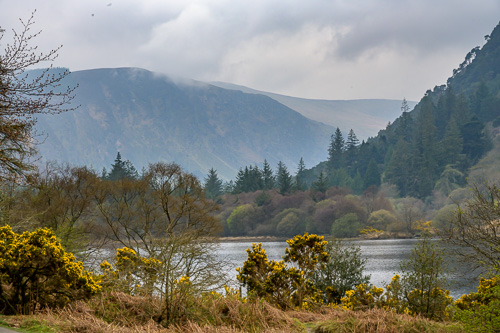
x: 118, y: 312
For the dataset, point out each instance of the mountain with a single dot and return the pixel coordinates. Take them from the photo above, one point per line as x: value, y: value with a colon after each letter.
x: 149, y: 117
x: 451, y: 135
x: 365, y: 116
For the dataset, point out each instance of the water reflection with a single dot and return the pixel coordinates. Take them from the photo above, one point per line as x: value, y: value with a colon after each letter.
x: 384, y: 257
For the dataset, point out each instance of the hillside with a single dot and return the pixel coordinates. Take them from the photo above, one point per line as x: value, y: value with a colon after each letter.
x: 433, y: 147
x: 365, y: 116
x: 149, y: 118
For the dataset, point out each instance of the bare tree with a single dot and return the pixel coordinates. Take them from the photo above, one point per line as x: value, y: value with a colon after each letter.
x: 475, y: 228
x: 23, y: 95
x: 165, y: 216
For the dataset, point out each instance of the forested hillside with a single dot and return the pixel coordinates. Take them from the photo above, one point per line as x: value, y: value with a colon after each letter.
x: 432, y: 147
x: 422, y: 161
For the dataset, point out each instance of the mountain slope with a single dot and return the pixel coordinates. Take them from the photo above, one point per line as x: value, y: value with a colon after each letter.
x: 149, y: 118
x: 434, y: 147
x: 365, y: 116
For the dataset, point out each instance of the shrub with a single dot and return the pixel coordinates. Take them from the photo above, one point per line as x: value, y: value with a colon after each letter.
x: 133, y: 274
x: 480, y: 311
x: 347, y: 226
x: 343, y: 271
x: 280, y: 284
x: 36, y: 272
x: 423, y: 281
x: 362, y: 298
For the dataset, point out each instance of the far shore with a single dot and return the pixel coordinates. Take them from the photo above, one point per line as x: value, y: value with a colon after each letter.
x: 263, y: 239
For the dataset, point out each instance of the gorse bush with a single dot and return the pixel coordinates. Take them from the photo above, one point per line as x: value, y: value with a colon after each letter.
x: 280, y: 284
x: 480, y: 311
x: 36, y: 272
x: 133, y: 274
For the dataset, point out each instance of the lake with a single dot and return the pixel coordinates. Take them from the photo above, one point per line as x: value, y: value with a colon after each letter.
x: 384, y: 257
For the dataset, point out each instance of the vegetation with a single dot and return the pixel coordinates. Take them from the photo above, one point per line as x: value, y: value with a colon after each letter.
x: 37, y: 273
x: 164, y: 226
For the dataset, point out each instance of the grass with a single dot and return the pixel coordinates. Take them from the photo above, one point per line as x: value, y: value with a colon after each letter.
x: 117, y: 312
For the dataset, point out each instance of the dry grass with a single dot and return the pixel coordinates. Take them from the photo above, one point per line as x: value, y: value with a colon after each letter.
x: 117, y: 312
x: 379, y: 320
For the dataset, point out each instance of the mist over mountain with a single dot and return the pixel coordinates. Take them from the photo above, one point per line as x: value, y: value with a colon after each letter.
x: 149, y: 117
x: 365, y: 116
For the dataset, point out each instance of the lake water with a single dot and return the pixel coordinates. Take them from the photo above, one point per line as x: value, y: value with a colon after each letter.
x: 383, y: 260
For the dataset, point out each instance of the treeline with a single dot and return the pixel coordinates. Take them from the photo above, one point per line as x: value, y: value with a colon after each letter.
x: 425, y: 150
x: 336, y: 212
x: 85, y: 210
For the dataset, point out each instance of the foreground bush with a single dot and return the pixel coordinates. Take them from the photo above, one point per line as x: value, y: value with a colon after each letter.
x: 480, y: 311
x: 36, y: 272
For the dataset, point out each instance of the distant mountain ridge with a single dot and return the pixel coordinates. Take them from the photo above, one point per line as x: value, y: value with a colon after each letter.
x: 149, y: 118
x: 365, y: 116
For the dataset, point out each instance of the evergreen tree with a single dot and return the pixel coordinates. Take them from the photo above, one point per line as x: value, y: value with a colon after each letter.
x: 474, y: 141
x: 256, y: 181
x: 213, y: 185
x: 321, y: 183
x: 351, y: 151
x: 452, y: 144
x: 268, y: 179
x: 299, y: 177
x: 283, y: 178
x: 122, y: 169
x: 352, y: 141
x: 242, y: 181
x: 405, y: 123
x: 336, y: 150
x: 398, y: 169
x: 372, y: 175
x: 426, y: 170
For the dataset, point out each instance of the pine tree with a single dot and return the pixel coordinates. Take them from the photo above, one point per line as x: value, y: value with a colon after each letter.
x: 299, y: 177
x: 405, y: 123
x: 283, y: 178
x: 268, y: 179
x: 351, y: 151
x: 321, y: 183
x: 122, y: 169
x: 425, y: 171
x: 213, y: 185
x: 336, y: 149
x: 372, y: 175
x: 255, y: 181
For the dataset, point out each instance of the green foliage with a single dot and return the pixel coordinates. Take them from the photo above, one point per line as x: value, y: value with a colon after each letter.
x: 321, y: 183
x: 241, y: 219
x: 121, y: 170
x: 336, y: 149
x: 381, y: 219
x: 480, y: 311
x: 36, y: 272
x: 343, y: 271
x: 292, y: 223
x: 213, y: 185
x: 423, y: 281
x: 283, y: 179
x: 372, y: 175
x: 346, y: 227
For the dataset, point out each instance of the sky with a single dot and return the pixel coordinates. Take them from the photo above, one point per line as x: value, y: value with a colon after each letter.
x: 320, y: 49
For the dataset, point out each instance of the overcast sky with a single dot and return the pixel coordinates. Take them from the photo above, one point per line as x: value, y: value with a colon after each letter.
x: 325, y: 49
